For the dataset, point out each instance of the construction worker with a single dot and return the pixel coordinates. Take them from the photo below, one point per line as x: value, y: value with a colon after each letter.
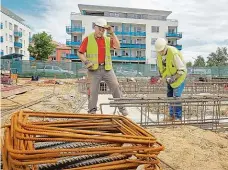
x: 95, y: 53
x: 172, y: 68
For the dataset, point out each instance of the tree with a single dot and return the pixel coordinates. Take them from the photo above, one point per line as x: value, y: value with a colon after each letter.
x: 41, y: 46
x: 199, y: 62
x: 189, y: 64
x: 219, y: 58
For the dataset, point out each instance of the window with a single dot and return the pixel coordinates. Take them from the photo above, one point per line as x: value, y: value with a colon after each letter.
x: 139, y: 53
x: 6, y: 49
x: 10, y: 50
x: 6, y: 37
x: 116, y: 28
x: 154, y: 29
x: 11, y: 38
x: 138, y: 41
x: 24, y: 42
x: 127, y: 28
x: 112, y: 14
x: 153, y: 41
x: 112, y: 52
x: 117, y: 14
x: 56, y: 68
x: 138, y: 16
x: 21, y: 51
x: 6, y: 24
x: 23, y: 32
x: 48, y: 67
x: 138, y: 29
x: 10, y: 26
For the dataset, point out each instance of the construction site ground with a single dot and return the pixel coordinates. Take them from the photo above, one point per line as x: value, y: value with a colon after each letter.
x: 186, y: 147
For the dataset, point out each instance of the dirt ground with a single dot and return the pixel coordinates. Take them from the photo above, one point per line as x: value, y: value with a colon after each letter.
x: 191, y: 148
x: 64, y: 97
x: 186, y: 147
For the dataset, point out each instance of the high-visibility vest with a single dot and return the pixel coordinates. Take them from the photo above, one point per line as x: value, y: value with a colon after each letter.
x: 170, y: 69
x: 92, y: 52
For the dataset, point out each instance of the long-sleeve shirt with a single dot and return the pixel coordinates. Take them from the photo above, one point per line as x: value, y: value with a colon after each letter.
x: 177, y: 62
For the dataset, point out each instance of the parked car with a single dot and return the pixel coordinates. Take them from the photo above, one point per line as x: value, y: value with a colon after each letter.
x: 50, y: 70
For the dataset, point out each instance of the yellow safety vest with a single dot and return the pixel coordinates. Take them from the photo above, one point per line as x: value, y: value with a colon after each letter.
x: 170, y: 69
x: 92, y: 52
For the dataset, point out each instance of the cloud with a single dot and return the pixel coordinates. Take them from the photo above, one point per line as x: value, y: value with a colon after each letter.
x: 204, y: 24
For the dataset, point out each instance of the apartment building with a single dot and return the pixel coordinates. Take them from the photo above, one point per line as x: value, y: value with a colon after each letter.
x: 15, y: 34
x: 137, y: 30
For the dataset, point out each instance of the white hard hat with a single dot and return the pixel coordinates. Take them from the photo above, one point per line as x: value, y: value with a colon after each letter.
x: 101, y: 22
x: 160, y: 44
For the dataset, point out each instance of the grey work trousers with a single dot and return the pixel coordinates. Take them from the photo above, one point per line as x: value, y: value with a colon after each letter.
x: 95, y: 77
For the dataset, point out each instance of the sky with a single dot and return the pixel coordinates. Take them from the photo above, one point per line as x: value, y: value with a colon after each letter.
x: 204, y: 24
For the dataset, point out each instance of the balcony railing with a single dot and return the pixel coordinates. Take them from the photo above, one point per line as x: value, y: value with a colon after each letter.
x: 179, y: 47
x: 129, y: 45
x: 73, y: 43
x: 128, y: 33
x: 70, y: 29
x: 114, y: 58
x: 174, y: 34
x: 17, y: 34
x: 18, y: 44
x: 128, y: 58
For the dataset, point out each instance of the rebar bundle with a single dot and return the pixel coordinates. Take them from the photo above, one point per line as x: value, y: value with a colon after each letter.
x: 54, y: 141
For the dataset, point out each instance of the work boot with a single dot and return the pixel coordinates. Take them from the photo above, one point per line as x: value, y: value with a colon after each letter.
x: 169, y: 119
x: 92, y: 111
x: 123, y: 111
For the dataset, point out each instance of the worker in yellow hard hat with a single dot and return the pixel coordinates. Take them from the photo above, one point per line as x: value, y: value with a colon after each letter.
x: 172, y: 69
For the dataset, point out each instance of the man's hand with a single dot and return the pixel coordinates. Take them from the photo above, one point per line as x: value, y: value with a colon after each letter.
x: 88, y: 64
x: 110, y: 30
x: 159, y: 81
x: 171, y: 79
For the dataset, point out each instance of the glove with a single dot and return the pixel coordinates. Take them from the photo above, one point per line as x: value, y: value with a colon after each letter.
x: 88, y: 64
x: 171, y: 79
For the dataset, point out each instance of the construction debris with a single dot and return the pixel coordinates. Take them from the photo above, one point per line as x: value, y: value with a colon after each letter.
x: 51, y: 141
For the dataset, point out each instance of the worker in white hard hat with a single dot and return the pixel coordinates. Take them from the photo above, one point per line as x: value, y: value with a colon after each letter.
x: 95, y: 53
x: 172, y: 69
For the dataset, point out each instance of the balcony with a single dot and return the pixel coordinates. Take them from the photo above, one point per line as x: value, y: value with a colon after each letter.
x: 174, y: 35
x: 73, y: 43
x: 179, y: 47
x: 129, y: 45
x: 128, y: 58
x: 70, y: 29
x: 128, y: 33
x: 72, y: 57
x: 17, y: 45
x: 17, y: 34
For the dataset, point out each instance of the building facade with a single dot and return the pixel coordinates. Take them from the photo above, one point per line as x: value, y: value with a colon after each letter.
x: 60, y: 52
x: 137, y: 30
x: 15, y: 34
